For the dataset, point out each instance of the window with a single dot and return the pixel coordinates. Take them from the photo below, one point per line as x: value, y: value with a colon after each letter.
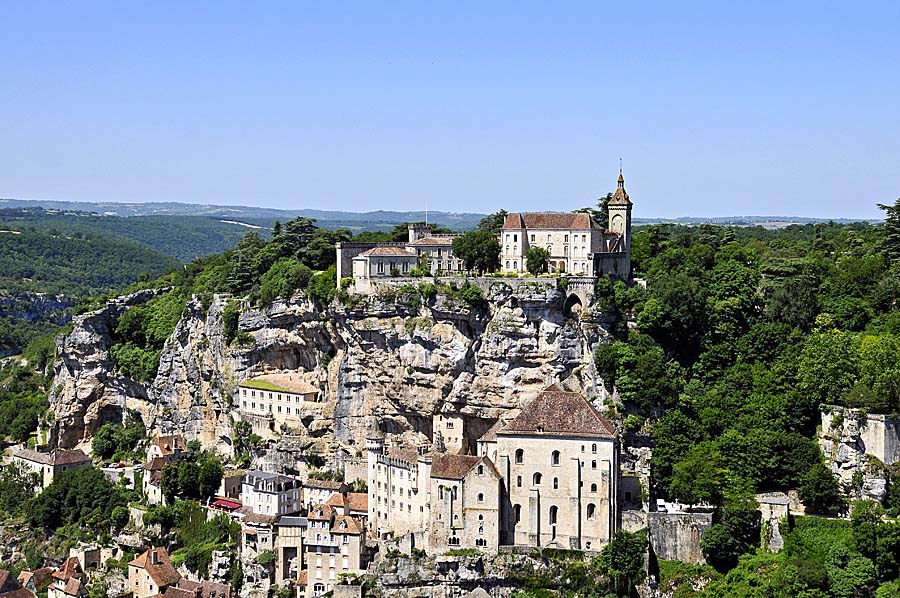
x: 594, y: 448
x: 481, y: 470
x: 591, y: 511
x: 453, y: 541
x: 480, y: 542
x: 441, y: 492
x: 380, y: 267
x: 480, y: 497
x: 532, y: 238
x: 556, y: 483
x: 520, y: 455
x: 515, y: 265
x: 549, y: 237
x: 565, y: 238
x: 518, y: 481
x: 515, y: 238
x: 593, y: 465
x: 554, y: 511
x: 536, y: 478
x: 583, y: 238
x: 554, y: 458
x: 593, y: 487
x: 507, y: 261
x: 517, y: 511
x: 481, y: 518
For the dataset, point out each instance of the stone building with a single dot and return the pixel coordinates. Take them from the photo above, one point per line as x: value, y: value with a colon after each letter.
x: 270, y: 494
x: 68, y: 581
x: 365, y: 262
x: 151, y: 573
x: 560, y: 460
x: 167, y: 447
x: 11, y: 588
x: 272, y: 402
x: 398, y: 483
x: 465, y: 503
x: 334, y: 546
x: 316, y: 492
x: 576, y: 243
x: 49, y: 465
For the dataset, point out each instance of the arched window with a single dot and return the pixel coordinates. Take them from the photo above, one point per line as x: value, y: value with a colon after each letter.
x: 554, y: 458
x: 441, y: 492
x: 520, y: 455
x: 593, y: 487
x: 453, y: 492
x: 481, y: 518
x: 518, y: 481
x: 556, y: 483
x: 593, y: 465
x: 480, y: 542
x: 480, y: 497
x: 517, y: 510
x: 536, y: 479
x: 507, y: 262
x: 481, y: 470
x: 591, y: 510
x: 594, y: 448
x: 553, y: 513
x: 515, y: 265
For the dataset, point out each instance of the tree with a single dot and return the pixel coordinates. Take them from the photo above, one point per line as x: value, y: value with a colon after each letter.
x: 479, y: 250
x: 83, y: 497
x: 720, y: 548
x: 622, y: 561
x: 699, y: 477
x: 819, y: 490
x: 536, y: 260
x: 494, y: 222
x: 890, y: 243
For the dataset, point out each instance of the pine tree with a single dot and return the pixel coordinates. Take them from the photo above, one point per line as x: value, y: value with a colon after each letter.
x: 890, y: 244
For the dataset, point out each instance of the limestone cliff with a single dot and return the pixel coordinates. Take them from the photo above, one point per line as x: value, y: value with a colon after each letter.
x: 389, y: 360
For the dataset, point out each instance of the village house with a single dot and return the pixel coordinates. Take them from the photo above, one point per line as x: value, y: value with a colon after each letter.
x: 273, y: 403
x: 270, y: 494
x: 48, y: 465
x: 334, y: 546
x: 169, y: 447
x: 465, y: 503
x: 257, y: 533
x: 151, y: 573
x: 68, y: 581
x: 37, y: 580
x: 316, y: 492
x: 398, y: 484
x: 290, y: 531
x: 559, y: 459
x: 11, y: 588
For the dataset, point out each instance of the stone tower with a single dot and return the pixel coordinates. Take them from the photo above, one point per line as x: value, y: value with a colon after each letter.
x: 418, y: 230
x: 620, y: 215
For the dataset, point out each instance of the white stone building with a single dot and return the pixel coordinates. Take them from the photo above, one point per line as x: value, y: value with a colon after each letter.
x: 272, y: 402
x: 48, y: 465
x: 465, y: 497
x: 560, y: 460
x: 577, y: 245
x: 270, y: 494
x: 398, y: 483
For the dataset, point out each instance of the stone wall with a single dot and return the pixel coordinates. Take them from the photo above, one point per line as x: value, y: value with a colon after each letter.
x: 676, y: 536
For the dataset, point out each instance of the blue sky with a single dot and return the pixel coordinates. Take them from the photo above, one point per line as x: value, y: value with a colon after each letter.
x: 717, y: 108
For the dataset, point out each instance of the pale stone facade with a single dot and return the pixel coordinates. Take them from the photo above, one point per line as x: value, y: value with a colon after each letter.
x: 290, y: 531
x: 273, y: 402
x: 576, y: 244
x: 169, y: 447
x: 151, y: 573
x: 334, y: 546
x: 559, y: 460
x: 465, y: 504
x: 452, y: 430
x: 270, y: 494
x: 49, y: 465
x: 398, y: 484
x: 68, y: 581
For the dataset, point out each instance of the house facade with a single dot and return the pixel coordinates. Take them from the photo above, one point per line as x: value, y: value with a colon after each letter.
x: 398, y: 483
x: 270, y: 494
x: 272, y: 402
x: 465, y: 503
x: 48, y: 465
x: 334, y: 546
x: 151, y: 573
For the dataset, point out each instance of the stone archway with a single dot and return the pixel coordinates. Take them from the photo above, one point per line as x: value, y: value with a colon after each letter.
x: 573, y: 305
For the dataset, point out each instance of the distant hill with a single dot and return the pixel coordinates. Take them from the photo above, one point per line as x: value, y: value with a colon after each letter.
x: 355, y: 221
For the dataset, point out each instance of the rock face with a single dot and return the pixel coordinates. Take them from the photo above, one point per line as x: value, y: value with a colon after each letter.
x: 676, y: 536
x: 858, y: 446
x: 86, y: 392
x: 390, y: 361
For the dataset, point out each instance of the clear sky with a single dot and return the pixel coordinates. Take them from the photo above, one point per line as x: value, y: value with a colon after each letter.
x: 717, y: 108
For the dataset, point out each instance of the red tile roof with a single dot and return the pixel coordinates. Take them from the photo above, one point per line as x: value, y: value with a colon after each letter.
x: 455, y: 467
x: 491, y: 434
x: 350, y: 525
x: 442, y: 241
x: 168, y: 445
x: 320, y: 513
x: 71, y: 569
x: 163, y: 573
x: 556, y: 412
x: 549, y: 220
x: 358, y: 502
x: 58, y: 457
x: 387, y: 251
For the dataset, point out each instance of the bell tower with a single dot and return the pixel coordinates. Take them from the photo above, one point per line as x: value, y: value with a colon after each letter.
x: 620, y: 215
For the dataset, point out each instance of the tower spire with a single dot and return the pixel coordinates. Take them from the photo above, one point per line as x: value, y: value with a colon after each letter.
x: 621, y: 184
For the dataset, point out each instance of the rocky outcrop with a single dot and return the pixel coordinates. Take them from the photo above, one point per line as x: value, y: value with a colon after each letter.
x: 389, y: 361
x: 858, y: 446
x: 676, y: 536
x: 86, y: 392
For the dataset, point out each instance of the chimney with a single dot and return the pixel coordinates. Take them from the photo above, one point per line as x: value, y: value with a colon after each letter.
x: 154, y: 557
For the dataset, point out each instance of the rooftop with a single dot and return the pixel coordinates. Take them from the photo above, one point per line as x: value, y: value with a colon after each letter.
x: 550, y: 220
x: 58, y: 457
x: 443, y: 241
x: 388, y: 251
x: 455, y: 467
x: 279, y: 383
x: 162, y: 572
x: 560, y: 413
